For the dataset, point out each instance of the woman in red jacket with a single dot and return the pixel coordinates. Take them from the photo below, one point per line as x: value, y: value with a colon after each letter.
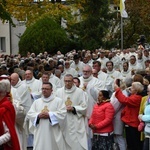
x: 101, y: 122
x: 8, y: 136
x: 130, y: 113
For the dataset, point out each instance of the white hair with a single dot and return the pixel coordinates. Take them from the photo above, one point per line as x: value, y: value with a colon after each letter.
x: 138, y: 86
x: 5, y: 85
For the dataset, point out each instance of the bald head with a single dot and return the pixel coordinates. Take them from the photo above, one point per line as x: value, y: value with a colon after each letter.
x: 14, y: 79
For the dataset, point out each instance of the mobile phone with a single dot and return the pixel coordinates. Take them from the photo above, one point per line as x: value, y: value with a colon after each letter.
x: 118, y: 82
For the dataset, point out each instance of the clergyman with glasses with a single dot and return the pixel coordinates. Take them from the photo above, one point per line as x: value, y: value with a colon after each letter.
x: 47, y: 116
x: 76, y: 105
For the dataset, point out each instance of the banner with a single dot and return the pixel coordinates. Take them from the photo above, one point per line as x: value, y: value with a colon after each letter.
x: 122, y: 9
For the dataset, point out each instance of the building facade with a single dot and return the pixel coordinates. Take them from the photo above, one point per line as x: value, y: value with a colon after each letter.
x: 10, y: 36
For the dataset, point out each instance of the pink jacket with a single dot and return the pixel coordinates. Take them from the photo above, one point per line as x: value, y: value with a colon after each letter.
x: 102, y: 117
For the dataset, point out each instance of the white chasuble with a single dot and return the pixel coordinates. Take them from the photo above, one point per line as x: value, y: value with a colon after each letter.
x: 75, y: 131
x: 48, y: 132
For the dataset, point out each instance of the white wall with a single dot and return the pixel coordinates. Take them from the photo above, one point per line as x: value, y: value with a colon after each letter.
x: 5, y: 32
x: 15, y: 33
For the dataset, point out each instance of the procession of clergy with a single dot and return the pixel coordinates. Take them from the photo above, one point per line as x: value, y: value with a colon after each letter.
x: 54, y: 95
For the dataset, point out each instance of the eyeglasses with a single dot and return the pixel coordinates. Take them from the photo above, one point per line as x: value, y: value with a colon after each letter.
x: 86, y: 71
x: 28, y: 74
x: 69, y: 81
x: 46, y: 89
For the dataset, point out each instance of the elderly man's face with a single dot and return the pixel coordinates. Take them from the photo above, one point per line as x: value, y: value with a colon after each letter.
x: 28, y: 75
x: 87, y: 72
x: 14, y: 81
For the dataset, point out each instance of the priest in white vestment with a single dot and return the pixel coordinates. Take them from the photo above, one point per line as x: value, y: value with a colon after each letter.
x: 125, y: 72
x: 70, y: 70
x: 52, y: 78
x: 124, y: 55
x: 45, y: 78
x: 63, y: 73
x: 140, y: 61
x: 92, y: 86
x: 76, y: 105
x: 133, y: 66
x: 55, y: 81
x: 103, y: 60
x: 47, y: 115
x: 22, y: 102
x: 103, y: 77
x: 114, y: 74
x: 77, y: 64
x: 32, y: 84
x: 146, y: 55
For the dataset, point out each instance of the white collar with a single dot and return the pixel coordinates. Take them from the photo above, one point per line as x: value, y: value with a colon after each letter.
x: 48, y: 99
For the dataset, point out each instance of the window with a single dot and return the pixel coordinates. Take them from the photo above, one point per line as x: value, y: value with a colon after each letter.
x: 3, y: 44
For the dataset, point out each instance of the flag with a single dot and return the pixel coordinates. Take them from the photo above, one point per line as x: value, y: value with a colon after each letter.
x: 122, y: 9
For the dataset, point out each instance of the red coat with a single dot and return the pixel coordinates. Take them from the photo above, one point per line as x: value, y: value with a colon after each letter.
x: 131, y: 110
x: 7, y: 115
x: 102, y: 117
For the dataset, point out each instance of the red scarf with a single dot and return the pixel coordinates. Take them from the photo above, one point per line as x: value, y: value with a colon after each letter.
x: 7, y: 115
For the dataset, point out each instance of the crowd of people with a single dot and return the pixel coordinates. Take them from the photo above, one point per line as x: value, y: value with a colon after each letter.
x: 82, y: 100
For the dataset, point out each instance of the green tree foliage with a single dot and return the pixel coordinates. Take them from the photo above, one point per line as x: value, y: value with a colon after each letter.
x: 94, y: 24
x: 4, y: 14
x: 30, y: 11
x: 44, y: 35
x: 136, y: 24
x: 139, y: 21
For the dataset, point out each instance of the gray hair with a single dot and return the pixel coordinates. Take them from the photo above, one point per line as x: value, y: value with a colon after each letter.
x: 4, y: 85
x: 138, y: 86
x: 128, y: 82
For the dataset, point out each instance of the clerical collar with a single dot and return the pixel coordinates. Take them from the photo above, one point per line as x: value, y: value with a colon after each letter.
x: 110, y: 72
x: 67, y: 69
x: 30, y: 81
x: 102, y: 58
x: 133, y: 64
x: 88, y: 79
x: 139, y: 60
x: 125, y: 72
x: 18, y: 84
x: 70, y: 90
x: 48, y: 99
